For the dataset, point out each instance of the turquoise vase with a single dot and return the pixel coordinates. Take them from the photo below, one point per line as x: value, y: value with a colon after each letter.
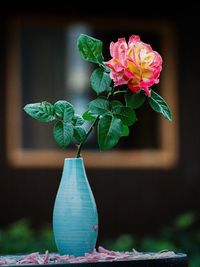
x: 75, y: 217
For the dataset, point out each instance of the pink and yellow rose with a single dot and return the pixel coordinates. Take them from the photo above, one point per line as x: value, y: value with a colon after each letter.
x: 134, y: 64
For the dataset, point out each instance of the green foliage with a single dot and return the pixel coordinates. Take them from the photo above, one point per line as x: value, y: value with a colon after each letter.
x: 125, y: 114
x: 64, y: 110
x: 63, y: 130
x: 19, y: 237
x: 134, y: 100
x: 157, y: 244
x: 99, y: 106
x: 185, y: 220
x: 125, y: 131
x: 180, y: 236
x: 63, y: 133
x: 68, y: 124
x: 100, y: 81
x: 79, y: 134
x: 110, y: 130
x: 88, y: 116
x: 77, y: 120
x: 124, y: 242
x: 111, y: 116
x: 158, y: 104
x: 113, y: 120
x: 43, y: 111
x: 90, y: 48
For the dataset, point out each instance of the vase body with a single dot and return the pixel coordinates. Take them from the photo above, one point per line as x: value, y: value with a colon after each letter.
x: 75, y: 217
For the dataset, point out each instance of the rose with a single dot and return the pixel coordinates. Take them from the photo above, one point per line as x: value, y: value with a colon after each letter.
x: 134, y: 64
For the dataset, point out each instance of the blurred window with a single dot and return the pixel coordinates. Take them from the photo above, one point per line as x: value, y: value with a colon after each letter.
x: 43, y: 63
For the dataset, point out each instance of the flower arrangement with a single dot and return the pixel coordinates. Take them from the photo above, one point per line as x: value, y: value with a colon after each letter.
x: 133, y: 68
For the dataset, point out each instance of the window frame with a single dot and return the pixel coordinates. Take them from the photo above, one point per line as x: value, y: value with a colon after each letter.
x: 164, y: 157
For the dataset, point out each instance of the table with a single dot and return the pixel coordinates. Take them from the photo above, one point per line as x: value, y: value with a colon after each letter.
x: 179, y: 260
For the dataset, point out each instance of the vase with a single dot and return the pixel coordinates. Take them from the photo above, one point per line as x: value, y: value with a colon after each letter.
x: 75, y: 216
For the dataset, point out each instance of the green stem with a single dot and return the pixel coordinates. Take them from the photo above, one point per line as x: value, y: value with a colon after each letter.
x: 78, y: 154
x: 111, y: 93
x: 119, y: 92
x: 115, y: 93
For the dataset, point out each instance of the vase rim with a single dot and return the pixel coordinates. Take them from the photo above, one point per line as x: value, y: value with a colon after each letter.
x: 73, y: 158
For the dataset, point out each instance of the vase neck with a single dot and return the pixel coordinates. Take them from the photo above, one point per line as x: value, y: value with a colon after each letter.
x: 74, y: 165
x: 73, y: 160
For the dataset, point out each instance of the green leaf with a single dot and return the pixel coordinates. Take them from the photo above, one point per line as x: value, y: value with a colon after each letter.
x: 99, y: 106
x: 43, y: 111
x: 88, y: 117
x: 90, y: 48
x: 77, y: 120
x: 64, y: 110
x: 100, y: 81
x: 79, y: 133
x: 116, y: 103
x: 135, y: 100
x: 105, y: 68
x: 158, y: 104
x: 126, y: 114
x: 125, y: 131
x: 110, y: 129
x: 63, y: 133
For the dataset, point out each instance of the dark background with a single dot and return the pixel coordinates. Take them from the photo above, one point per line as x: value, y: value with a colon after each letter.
x: 129, y: 201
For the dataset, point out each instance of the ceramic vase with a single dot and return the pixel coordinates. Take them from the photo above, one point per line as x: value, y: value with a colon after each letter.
x: 75, y: 217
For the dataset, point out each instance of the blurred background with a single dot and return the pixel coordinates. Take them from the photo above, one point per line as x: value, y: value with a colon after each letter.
x: 148, y: 208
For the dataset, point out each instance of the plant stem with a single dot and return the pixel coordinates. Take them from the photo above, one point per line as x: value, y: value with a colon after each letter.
x: 115, y: 93
x: 111, y: 93
x: 119, y: 92
x: 78, y: 154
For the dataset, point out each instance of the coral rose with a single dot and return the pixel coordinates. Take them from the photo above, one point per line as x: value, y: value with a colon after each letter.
x: 134, y: 64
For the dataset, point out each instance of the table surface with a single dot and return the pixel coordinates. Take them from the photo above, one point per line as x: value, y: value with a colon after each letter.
x: 179, y: 260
